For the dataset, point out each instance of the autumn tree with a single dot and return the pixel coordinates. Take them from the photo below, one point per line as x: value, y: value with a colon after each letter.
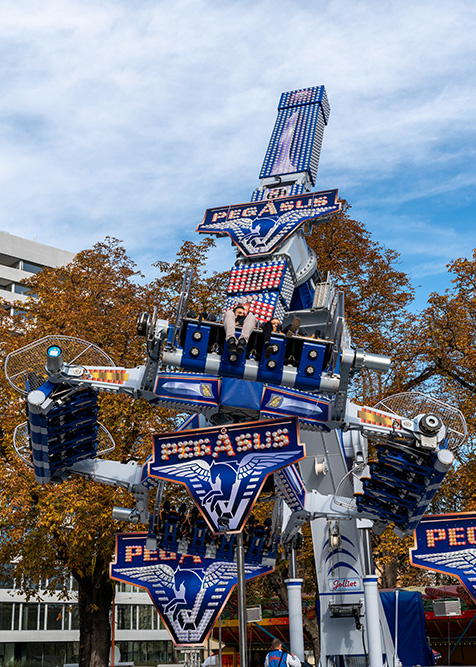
x: 446, y: 356
x: 377, y: 297
x: 208, y: 289
x: 50, y: 531
x: 448, y: 330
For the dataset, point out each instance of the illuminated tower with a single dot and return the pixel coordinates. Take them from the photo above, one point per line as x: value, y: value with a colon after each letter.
x: 291, y: 161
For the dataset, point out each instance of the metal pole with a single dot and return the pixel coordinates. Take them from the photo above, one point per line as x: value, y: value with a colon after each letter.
x: 293, y: 584
x: 296, y: 638
x: 113, y: 630
x: 373, y: 620
x: 395, y: 653
x: 292, y: 562
x: 240, y: 568
x: 449, y: 654
x: 371, y: 594
x: 219, y: 642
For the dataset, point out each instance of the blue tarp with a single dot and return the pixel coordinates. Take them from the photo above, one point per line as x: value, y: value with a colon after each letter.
x: 412, y: 647
x: 241, y: 393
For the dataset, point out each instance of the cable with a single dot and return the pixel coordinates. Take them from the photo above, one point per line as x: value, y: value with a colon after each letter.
x: 363, y: 644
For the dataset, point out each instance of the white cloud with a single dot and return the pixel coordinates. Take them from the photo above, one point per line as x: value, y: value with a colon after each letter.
x: 130, y: 119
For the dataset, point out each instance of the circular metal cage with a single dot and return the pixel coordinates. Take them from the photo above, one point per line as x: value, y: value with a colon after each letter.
x: 25, y: 367
x: 413, y: 403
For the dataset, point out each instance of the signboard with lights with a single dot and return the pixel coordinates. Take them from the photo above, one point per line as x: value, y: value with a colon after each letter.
x: 447, y: 543
x: 259, y: 228
x: 189, y: 592
x: 224, y: 468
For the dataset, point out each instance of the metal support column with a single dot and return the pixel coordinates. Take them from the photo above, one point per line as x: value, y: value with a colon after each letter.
x: 293, y: 584
x: 371, y: 595
x: 220, y: 660
x: 240, y: 568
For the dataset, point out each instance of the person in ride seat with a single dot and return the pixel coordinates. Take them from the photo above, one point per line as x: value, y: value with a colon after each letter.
x: 279, y: 658
x: 238, y: 316
x: 274, y: 326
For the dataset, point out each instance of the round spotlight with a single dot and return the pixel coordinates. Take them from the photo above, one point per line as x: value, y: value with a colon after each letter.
x: 430, y: 424
x: 197, y: 335
x: 54, y: 359
x: 271, y: 364
x: 310, y: 370
x: 312, y: 354
x: 194, y: 352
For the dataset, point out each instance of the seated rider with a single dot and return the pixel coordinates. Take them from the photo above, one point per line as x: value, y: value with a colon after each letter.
x: 274, y: 326
x: 234, y: 317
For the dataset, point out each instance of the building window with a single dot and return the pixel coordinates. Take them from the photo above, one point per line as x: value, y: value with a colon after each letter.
x: 54, y: 617
x: 137, y: 617
x: 18, y: 288
x: 16, y: 615
x: 146, y: 652
x: 145, y: 617
x: 123, y: 616
x: 74, y: 608
x: 41, y: 610
x: 31, y: 267
x: 29, y: 616
x: 46, y: 653
x: 6, y: 609
x: 127, y: 588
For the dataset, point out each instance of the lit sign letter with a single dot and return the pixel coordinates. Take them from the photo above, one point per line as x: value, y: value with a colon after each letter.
x: 202, y: 448
x: 453, y: 537
x: 270, y: 208
x: 286, y: 206
x: 243, y: 442
x: 470, y: 535
x: 223, y: 444
x: 434, y: 535
x: 218, y: 216
x: 183, y: 449
x: 280, y: 438
x: 132, y: 551
x: 196, y: 559
x: 150, y: 555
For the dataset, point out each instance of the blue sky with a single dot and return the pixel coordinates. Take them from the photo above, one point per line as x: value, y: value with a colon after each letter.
x: 129, y: 118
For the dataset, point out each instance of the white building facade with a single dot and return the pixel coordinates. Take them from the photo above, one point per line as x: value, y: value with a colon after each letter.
x: 46, y: 632
x: 20, y: 258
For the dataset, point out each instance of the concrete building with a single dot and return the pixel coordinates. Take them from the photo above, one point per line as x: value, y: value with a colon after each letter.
x: 46, y: 632
x: 19, y: 258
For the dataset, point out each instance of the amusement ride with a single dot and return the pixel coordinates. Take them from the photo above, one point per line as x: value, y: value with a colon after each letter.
x: 260, y: 402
